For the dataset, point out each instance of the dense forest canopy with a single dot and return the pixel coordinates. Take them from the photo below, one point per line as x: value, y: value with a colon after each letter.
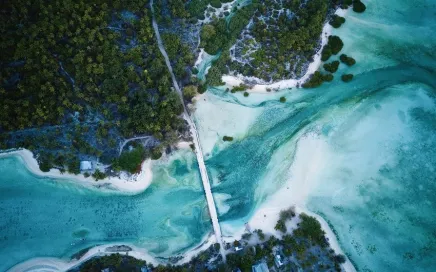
x: 79, y: 77
x: 93, y: 64
x: 268, y: 39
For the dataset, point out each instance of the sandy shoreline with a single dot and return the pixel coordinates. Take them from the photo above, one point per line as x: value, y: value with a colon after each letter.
x: 266, y: 218
x: 303, y: 175
x: 233, y: 81
x: 48, y: 264
x: 125, y: 183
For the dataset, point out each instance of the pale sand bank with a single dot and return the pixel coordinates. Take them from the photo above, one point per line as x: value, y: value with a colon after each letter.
x: 184, y: 145
x: 124, y: 183
x: 310, y: 158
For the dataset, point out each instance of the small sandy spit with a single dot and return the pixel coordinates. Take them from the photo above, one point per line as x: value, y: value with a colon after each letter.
x: 47, y: 264
x: 124, y: 183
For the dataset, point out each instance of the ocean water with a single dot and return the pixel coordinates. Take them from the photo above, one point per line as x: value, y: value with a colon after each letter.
x: 362, y: 155
x: 55, y: 218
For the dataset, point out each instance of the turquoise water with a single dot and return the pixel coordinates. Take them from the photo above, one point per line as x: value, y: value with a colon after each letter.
x: 47, y: 218
x: 204, y: 64
x: 374, y: 179
x: 368, y: 167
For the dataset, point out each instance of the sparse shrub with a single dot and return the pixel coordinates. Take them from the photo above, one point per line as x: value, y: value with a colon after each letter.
x: 332, y: 67
x: 337, y: 21
x: 98, y: 175
x: 358, y: 6
x: 347, y: 77
x: 227, y: 139
x: 347, y: 60
x: 156, y: 153
x: 280, y: 226
x: 317, y: 79
x: 333, y: 47
x: 340, y: 258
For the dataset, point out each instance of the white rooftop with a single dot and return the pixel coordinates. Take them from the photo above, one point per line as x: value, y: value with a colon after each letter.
x: 85, y: 165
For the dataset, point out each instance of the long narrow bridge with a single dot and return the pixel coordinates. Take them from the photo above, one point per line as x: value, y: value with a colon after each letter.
x: 195, y: 136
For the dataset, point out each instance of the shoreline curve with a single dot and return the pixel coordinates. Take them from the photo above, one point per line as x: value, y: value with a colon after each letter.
x: 125, y: 184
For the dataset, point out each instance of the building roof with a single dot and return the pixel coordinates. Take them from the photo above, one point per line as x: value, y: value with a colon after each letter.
x: 85, y: 165
x: 278, y: 260
x: 261, y: 267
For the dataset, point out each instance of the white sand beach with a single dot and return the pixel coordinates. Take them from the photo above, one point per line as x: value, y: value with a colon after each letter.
x: 124, y: 183
x: 56, y: 264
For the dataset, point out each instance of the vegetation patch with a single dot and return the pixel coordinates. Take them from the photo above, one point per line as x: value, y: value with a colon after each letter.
x: 347, y: 60
x: 227, y: 139
x: 333, y: 47
x: 331, y: 67
x: 347, y: 77
x: 190, y: 91
x: 130, y: 161
x: 239, y: 88
x: 98, y: 175
x: 336, y: 21
x: 358, y: 6
x: 79, y: 77
x: 317, y: 79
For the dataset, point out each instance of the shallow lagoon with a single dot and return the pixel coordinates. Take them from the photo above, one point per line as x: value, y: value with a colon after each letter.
x: 361, y: 154
x: 56, y: 218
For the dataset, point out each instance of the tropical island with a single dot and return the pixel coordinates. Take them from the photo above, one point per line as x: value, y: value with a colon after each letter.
x: 90, y: 92
x: 344, y: 133
x: 77, y: 87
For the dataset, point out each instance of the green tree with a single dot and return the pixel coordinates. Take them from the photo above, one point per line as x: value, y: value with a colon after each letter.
x: 347, y: 77
x: 358, y: 6
x: 189, y: 91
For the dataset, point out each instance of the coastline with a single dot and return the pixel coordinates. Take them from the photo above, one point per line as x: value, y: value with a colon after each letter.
x: 141, y: 182
x: 308, y: 161
x: 265, y: 218
x: 57, y: 264
x: 234, y: 81
x: 129, y: 184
